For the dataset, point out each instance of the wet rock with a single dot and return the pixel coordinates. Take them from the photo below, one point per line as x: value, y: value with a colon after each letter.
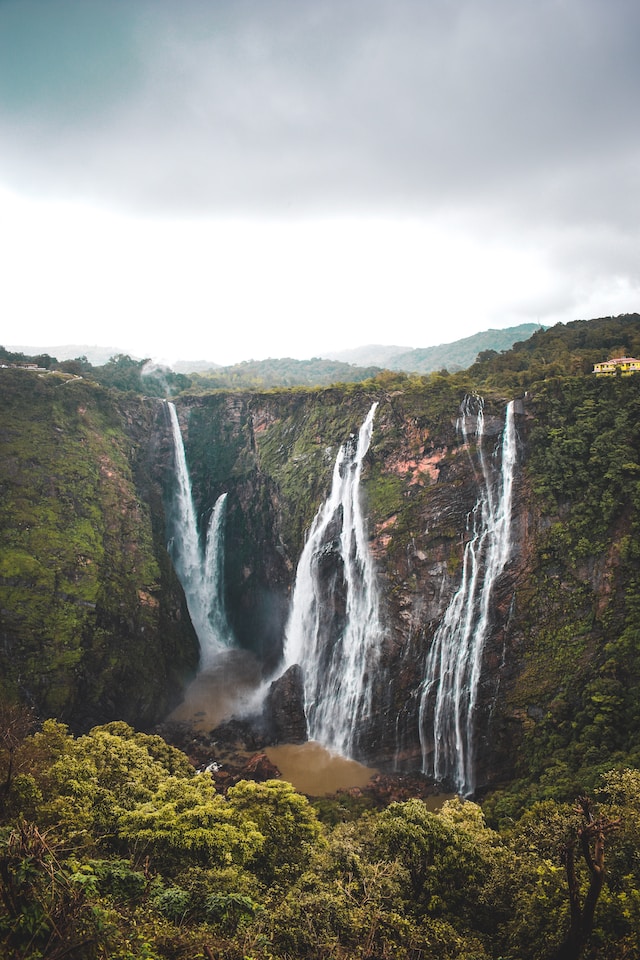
x: 384, y: 789
x: 284, y: 716
x: 245, y: 734
x: 260, y: 768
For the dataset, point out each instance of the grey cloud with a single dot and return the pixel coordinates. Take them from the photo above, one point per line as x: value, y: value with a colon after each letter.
x: 527, y: 110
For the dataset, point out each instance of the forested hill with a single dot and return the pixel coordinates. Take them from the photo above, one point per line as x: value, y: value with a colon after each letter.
x: 445, y: 356
x: 283, y: 372
x: 530, y: 350
x: 569, y: 349
x: 127, y: 373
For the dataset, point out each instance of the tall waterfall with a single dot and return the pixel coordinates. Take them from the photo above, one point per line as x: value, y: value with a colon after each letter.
x: 333, y: 630
x: 449, y: 691
x: 199, y: 568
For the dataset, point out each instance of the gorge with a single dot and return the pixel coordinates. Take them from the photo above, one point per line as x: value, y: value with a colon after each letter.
x: 333, y: 631
x: 455, y: 576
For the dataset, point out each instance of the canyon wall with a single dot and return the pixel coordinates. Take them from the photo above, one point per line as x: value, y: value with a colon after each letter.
x: 274, y: 455
x: 94, y: 622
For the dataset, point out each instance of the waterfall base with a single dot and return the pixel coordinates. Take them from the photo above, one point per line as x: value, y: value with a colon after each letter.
x: 313, y: 770
x: 224, y: 693
x: 224, y: 688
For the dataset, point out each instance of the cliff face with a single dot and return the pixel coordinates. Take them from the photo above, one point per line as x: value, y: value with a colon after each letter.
x: 558, y: 607
x: 94, y: 624
x: 274, y: 455
x: 573, y: 636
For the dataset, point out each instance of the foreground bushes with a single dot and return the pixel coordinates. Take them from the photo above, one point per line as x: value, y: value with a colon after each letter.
x: 112, y: 846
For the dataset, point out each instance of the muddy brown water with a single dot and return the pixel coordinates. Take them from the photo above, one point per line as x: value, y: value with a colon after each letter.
x: 225, y: 688
x: 229, y: 687
x: 312, y: 769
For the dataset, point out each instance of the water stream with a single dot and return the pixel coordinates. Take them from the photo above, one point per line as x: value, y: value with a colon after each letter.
x: 333, y: 630
x: 453, y: 668
x: 199, y: 568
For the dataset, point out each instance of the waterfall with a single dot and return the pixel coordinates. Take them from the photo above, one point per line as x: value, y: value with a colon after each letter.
x: 453, y: 668
x: 200, y: 569
x: 333, y: 630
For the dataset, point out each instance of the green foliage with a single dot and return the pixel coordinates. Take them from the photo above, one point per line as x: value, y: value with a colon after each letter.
x: 46, y: 902
x: 187, y: 820
x: 565, y: 350
x: 79, y: 572
x: 284, y: 372
x: 127, y: 853
x: 139, y: 376
x: 462, y: 353
x: 580, y: 684
x: 286, y: 820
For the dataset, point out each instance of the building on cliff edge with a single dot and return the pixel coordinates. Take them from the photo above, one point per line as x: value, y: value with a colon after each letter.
x: 623, y: 366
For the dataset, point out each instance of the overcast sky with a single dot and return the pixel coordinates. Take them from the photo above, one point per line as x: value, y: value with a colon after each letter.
x: 236, y: 179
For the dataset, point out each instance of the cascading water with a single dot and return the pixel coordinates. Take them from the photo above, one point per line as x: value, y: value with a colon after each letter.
x: 200, y: 570
x: 449, y: 691
x: 333, y: 630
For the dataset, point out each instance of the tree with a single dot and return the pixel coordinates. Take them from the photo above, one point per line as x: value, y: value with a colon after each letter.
x: 187, y: 821
x: 590, y: 839
x: 287, y: 821
x: 45, y: 907
x: 16, y: 722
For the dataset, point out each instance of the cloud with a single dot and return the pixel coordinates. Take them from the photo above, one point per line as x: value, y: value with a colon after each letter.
x: 352, y: 160
x: 334, y: 106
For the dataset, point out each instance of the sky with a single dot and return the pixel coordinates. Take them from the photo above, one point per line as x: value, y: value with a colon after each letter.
x: 239, y: 179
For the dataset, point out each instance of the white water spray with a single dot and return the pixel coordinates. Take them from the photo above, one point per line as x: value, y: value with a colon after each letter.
x: 338, y: 655
x: 200, y: 570
x: 454, y: 664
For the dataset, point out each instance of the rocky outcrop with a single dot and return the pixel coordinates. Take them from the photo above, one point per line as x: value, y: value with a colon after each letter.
x: 284, y: 717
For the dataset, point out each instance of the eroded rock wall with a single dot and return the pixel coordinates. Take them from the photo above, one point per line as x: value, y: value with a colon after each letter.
x: 274, y: 454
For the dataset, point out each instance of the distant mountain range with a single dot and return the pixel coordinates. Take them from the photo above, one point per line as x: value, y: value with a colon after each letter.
x: 453, y: 356
x: 457, y: 355
x: 97, y: 356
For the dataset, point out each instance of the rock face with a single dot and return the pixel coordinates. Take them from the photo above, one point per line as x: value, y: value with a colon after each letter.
x: 284, y: 715
x: 274, y: 457
x: 93, y: 623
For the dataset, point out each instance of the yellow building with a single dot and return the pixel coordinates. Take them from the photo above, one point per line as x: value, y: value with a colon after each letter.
x: 620, y: 365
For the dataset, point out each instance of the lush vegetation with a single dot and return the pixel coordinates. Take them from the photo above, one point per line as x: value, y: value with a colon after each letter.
x: 86, y: 596
x: 125, y: 373
x: 112, y: 846
x: 121, y: 372
x: 283, y: 372
x: 566, y: 350
x: 580, y: 676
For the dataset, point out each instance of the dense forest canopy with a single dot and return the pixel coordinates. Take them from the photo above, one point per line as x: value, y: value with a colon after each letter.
x: 113, y: 846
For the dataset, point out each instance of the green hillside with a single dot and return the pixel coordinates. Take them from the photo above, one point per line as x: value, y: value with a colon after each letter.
x: 461, y: 353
